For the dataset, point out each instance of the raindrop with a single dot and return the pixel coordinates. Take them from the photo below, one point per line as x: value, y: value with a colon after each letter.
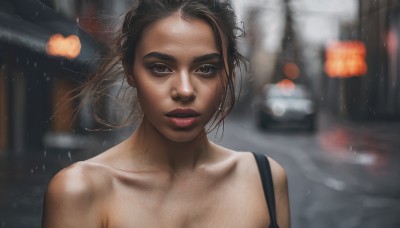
x: 44, y: 153
x: 31, y: 170
x: 365, y: 159
x: 45, y: 74
x: 27, y: 62
x: 17, y: 59
x: 69, y: 155
x: 335, y: 184
x: 47, y: 78
x: 44, y: 168
x: 36, y: 168
x: 35, y: 64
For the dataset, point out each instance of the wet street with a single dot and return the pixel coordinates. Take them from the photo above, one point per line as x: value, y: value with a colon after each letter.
x: 344, y: 175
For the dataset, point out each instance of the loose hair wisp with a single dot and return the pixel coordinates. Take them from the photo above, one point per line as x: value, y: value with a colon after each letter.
x: 218, y: 14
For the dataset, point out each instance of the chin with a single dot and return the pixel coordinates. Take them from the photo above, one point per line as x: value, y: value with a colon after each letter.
x: 184, y: 136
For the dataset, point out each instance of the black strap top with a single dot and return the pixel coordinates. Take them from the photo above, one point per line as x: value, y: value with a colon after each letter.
x: 268, y: 186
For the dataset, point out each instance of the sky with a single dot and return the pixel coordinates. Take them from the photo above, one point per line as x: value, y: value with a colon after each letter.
x: 317, y: 21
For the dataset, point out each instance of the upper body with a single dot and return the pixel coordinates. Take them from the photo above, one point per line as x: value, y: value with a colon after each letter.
x: 224, y: 191
x: 168, y: 173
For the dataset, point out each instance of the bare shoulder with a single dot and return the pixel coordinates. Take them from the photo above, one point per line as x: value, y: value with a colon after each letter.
x: 278, y: 174
x: 79, y: 179
x: 75, y: 192
x: 247, y: 161
x: 279, y: 178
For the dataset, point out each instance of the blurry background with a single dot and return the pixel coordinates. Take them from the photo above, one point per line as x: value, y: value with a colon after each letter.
x: 321, y: 96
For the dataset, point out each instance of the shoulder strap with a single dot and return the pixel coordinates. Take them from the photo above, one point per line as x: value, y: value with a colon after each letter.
x: 268, y: 186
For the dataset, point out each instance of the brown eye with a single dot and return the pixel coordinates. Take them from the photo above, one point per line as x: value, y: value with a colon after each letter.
x: 207, y: 70
x: 159, y: 68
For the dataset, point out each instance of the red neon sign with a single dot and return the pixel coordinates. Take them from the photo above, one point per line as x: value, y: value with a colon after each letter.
x: 345, y: 59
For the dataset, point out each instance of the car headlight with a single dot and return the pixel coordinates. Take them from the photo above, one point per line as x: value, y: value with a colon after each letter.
x: 278, y: 109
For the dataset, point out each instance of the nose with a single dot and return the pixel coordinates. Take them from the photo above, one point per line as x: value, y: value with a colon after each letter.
x: 183, y: 89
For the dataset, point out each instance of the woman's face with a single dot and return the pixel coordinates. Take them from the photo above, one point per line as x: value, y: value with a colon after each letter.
x: 177, y: 73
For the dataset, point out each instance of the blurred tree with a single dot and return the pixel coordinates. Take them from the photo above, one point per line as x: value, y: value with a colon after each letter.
x: 288, y: 64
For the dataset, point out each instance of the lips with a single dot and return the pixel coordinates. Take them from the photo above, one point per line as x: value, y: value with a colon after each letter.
x: 182, y: 113
x: 182, y: 117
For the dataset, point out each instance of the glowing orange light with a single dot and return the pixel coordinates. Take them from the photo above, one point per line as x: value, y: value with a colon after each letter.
x: 345, y: 59
x: 291, y: 70
x: 68, y: 47
x: 287, y: 86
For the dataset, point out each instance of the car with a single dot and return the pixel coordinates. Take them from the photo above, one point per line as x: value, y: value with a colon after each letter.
x: 286, y: 103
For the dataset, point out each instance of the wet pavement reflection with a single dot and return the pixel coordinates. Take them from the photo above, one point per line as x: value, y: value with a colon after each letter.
x: 371, y: 148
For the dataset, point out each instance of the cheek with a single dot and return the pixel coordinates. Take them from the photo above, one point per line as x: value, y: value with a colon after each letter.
x: 215, y: 93
x: 144, y: 90
x: 146, y: 93
x: 149, y: 100
x: 221, y: 87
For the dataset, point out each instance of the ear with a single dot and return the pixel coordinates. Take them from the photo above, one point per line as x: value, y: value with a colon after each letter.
x: 130, y: 80
x: 129, y: 77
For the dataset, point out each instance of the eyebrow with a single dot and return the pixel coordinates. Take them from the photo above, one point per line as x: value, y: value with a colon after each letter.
x: 207, y: 57
x: 170, y: 58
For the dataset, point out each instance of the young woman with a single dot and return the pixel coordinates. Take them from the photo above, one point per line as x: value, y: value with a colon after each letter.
x: 180, y: 56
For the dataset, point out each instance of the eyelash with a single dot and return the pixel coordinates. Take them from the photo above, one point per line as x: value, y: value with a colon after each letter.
x: 212, y: 69
x: 153, y: 68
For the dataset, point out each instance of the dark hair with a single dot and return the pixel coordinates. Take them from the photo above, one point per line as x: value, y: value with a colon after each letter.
x: 218, y: 14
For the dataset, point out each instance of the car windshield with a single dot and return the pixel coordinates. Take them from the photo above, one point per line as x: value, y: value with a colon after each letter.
x: 293, y: 93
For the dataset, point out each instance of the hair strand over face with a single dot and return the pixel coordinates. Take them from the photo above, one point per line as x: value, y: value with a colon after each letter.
x: 217, y: 13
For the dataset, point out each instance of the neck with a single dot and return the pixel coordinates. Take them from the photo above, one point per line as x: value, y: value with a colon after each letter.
x: 155, y: 150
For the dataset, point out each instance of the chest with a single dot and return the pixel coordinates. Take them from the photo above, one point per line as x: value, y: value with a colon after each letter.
x: 190, y: 205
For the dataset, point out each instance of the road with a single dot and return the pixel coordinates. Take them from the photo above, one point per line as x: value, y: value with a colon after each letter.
x: 343, y: 175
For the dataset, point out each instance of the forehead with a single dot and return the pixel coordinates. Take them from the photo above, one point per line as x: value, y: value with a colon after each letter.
x: 176, y: 33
